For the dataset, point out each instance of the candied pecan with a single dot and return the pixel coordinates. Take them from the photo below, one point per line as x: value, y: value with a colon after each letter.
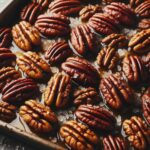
x: 137, y: 132
x: 53, y: 24
x: 115, y: 91
x: 121, y: 12
x: 140, y: 42
x: 114, y: 143
x: 81, y: 71
x: 104, y: 24
x: 135, y: 3
x: 86, y: 96
x: 58, y: 91
x: 40, y: 118
x: 88, y: 11
x: 25, y: 36
x: 96, y: 117
x: 78, y: 136
x: 43, y: 3
x: 65, y: 7
x: 19, y: 90
x: 107, y: 58
x: 33, y: 65
x: 144, y: 24
x: 58, y: 52
x: 83, y: 40
x: 7, y: 112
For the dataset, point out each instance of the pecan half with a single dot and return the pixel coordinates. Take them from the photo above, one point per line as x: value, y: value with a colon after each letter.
x: 58, y: 52
x: 137, y: 132
x: 96, y: 117
x: 43, y: 3
x: 135, y: 3
x: 144, y: 24
x: 41, y: 119
x: 81, y: 71
x: 58, y: 91
x: 78, y: 136
x: 53, y: 25
x: 25, y: 36
x: 19, y: 90
x: 33, y: 65
x: 7, y: 112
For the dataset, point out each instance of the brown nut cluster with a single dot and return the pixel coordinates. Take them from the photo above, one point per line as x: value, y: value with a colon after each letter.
x: 144, y: 24
x: 88, y: 11
x: 7, y: 112
x: 140, y: 42
x: 65, y: 7
x: 40, y: 119
x: 25, y: 36
x: 58, y: 52
x: 86, y: 96
x: 78, y: 136
x: 58, y: 91
x: 33, y: 65
x: 5, y: 37
x: 111, y: 142
x: 81, y: 71
x: 96, y: 117
x: 107, y: 58
x: 42, y: 3
x: 115, y: 91
x: 52, y: 24
x: 137, y: 133
x: 83, y: 40
x: 19, y: 90
x: 121, y: 12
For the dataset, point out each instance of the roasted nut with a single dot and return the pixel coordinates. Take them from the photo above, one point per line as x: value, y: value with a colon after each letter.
x: 78, y: 136
x: 58, y: 91
x: 58, y: 52
x: 81, y: 71
x: 121, y: 12
x: 144, y: 24
x: 147, y: 61
x: 114, y: 143
x: 96, y: 117
x: 43, y: 3
x: 88, y: 11
x: 41, y: 119
x: 140, y: 42
x: 19, y: 90
x: 25, y: 36
x: 33, y: 65
x: 110, y: 1
x: 135, y: 3
x: 115, y: 91
x: 53, y: 25
x: 5, y: 37
x: 86, y: 96
x: 137, y: 132
x: 107, y: 58
x: 104, y: 24
x: 83, y: 40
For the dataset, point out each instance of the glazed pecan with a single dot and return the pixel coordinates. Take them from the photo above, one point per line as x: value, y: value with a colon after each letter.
x: 78, y: 136
x: 81, y: 71
x: 58, y: 91
x: 144, y: 24
x: 115, y: 91
x: 33, y: 65
x: 41, y: 119
x: 25, y: 36
x: 96, y: 117
x: 65, y: 7
x: 107, y: 58
x: 114, y: 143
x: 83, y: 40
x: 121, y: 12
x: 135, y: 3
x: 86, y: 96
x: 104, y: 24
x: 58, y: 52
x: 5, y: 37
x: 137, y: 132
x: 140, y: 42
x: 19, y: 90
x: 88, y: 11
x: 53, y: 25
x: 43, y: 3
x: 7, y: 112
